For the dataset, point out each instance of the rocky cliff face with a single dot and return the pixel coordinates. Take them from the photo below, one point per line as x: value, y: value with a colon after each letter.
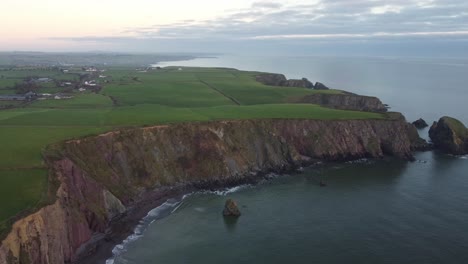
x: 346, y: 101
x: 450, y: 136
x: 101, y: 177
x: 280, y: 80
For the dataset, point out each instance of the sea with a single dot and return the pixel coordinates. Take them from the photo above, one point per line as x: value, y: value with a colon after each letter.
x: 372, y: 211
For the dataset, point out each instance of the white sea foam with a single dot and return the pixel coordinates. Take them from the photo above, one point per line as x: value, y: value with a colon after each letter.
x: 227, y: 191
x: 459, y: 156
x: 152, y: 216
x: 172, y: 205
x: 359, y: 161
x: 199, y: 209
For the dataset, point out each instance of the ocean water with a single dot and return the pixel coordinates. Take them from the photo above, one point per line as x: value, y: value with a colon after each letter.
x: 386, y: 211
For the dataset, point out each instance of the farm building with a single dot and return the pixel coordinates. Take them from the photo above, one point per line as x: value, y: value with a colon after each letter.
x: 43, y: 80
x: 12, y: 98
x: 16, y: 97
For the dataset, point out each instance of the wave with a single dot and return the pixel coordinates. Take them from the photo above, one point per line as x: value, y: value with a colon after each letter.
x: 226, y: 191
x: 163, y: 210
x: 359, y: 161
x: 458, y: 156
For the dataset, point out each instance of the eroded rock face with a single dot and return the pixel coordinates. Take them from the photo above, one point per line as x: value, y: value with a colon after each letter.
x: 449, y: 135
x: 420, y: 123
x: 100, y: 177
x: 303, y: 83
x: 280, y: 80
x: 271, y: 79
x: 418, y: 144
x: 231, y: 209
x: 55, y: 233
x: 345, y: 101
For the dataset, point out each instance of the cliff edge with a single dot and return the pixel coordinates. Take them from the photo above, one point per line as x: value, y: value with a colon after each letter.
x: 101, y: 179
x: 345, y: 101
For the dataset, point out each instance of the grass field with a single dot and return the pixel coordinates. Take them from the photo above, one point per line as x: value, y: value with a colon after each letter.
x: 133, y: 98
x: 22, y: 188
x: 85, y: 100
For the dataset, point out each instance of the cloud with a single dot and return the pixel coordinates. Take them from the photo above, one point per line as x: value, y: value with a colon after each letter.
x: 324, y: 20
x: 267, y: 5
x: 368, y: 35
x: 386, y: 9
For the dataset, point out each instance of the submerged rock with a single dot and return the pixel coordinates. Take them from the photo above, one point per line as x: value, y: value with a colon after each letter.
x: 420, y: 123
x: 231, y: 208
x: 449, y: 135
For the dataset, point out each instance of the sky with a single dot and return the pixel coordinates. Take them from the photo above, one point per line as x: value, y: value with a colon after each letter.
x: 364, y: 27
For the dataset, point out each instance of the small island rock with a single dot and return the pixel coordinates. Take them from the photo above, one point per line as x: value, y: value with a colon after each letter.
x: 420, y: 123
x: 449, y: 135
x: 231, y: 208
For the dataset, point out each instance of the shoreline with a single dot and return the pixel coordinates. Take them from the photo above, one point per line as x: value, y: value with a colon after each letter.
x: 99, y: 249
x: 124, y: 226
x: 271, y: 153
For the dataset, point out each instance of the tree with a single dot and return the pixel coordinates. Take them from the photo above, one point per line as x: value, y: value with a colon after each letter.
x: 24, y: 87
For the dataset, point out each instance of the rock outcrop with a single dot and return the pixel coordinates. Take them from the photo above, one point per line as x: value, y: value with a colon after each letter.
x: 303, y: 83
x: 418, y: 144
x: 420, y: 123
x: 231, y: 209
x: 345, y: 101
x: 320, y: 86
x: 273, y: 79
x: 449, y: 135
x: 98, y: 179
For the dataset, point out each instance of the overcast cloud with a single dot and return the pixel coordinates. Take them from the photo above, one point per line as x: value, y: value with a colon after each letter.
x: 319, y: 22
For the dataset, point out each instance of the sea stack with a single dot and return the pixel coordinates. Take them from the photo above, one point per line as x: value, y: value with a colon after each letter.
x: 449, y: 135
x: 231, y: 209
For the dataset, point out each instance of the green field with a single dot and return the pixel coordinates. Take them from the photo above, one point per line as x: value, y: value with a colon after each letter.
x: 135, y: 99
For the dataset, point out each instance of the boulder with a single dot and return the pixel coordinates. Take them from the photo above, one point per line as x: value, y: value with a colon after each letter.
x: 231, y: 208
x: 449, y: 135
x: 420, y: 123
x: 320, y: 86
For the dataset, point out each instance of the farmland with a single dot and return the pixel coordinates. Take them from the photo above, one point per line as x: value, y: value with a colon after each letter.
x: 130, y: 98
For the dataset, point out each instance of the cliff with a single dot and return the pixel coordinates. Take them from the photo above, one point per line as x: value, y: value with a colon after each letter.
x: 274, y: 79
x: 102, y: 178
x: 449, y: 135
x: 345, y: 101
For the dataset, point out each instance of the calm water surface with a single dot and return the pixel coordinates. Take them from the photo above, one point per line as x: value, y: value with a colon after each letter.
x: 371, y: 212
